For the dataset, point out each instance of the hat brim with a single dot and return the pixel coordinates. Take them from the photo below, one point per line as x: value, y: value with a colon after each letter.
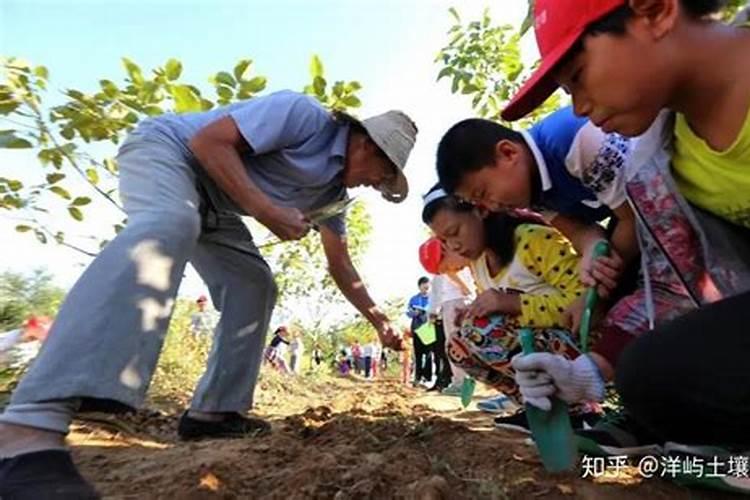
x: 395, y: 191
x: 541, y: 85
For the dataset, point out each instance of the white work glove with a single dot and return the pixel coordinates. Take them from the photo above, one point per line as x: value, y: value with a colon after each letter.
x: 541, y: 376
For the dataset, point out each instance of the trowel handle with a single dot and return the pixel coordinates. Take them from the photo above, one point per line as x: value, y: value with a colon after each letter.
x: 600, y: 250
x: 527, y: 340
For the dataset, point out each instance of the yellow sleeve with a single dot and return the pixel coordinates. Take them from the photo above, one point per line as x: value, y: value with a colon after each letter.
x: 546, y: 253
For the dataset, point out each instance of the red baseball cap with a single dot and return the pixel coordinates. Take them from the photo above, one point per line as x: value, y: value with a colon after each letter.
x: 558, y: 24
x: 430, y: 255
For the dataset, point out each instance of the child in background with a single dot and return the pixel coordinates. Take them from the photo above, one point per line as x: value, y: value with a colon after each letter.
x: 623, y: 62
x: 448, y: 294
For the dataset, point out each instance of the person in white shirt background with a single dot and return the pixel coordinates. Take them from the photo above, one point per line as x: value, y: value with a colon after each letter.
x: 449, y: 294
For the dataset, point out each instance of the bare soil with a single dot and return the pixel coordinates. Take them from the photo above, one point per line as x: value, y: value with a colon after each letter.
x: 340, y: 438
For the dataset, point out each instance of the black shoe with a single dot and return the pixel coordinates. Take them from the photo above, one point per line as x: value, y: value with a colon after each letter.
x: 618, y: 435
x: 515, y: 422
x: 43, y: 475
x: 518, y: 421
x: 233, y: 426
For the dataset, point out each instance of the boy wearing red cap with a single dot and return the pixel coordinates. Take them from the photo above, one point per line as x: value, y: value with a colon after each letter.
x: 623, y: 62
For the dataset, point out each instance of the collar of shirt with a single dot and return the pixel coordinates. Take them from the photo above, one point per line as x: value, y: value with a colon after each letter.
x: 340, y: 142
x: 541, y: 165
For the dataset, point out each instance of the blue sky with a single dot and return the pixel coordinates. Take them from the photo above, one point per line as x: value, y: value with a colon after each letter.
x: 387, y: 45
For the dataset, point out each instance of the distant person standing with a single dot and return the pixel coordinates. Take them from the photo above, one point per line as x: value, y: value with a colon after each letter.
x: 367, y: 358
x: 376, y: 349
x: 296, y: 348
x: 357, y: 357
x: 417, y: 311
x: 201, y: 323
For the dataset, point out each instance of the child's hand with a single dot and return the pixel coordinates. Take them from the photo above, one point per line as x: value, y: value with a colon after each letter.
x: 490, y: 301
x: 602, y: 272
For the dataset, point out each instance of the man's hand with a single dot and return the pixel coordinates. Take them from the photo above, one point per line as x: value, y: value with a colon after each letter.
x: 493, y: 301
x: 388, y: 335
x: 541, y: 376
x: 602, y: 272
x: 286, y: 223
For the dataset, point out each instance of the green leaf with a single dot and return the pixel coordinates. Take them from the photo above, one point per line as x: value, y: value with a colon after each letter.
x: 224, y: 92
x: 81, y: 201
x: 447, y: 71
x: 7, y: 106
x: 68, y: 133
x: 109, y: 88
x: 14, y: 185
x: 528, y: 21
x: 316, y: 67
x: 111, y: 165
x: 255, y: 85
x: 134, y: 71
x: 40, y: 236
x: 241, y: 68
x: 185, y: 99
x: 173, y: 69
x: 469, y: 88
x: 62, y: 193
x: 75, y: 213
x: 53, y: 178
x: 92, y: 175
x: 319, y: 85
x: 9, y: 140
x: 454, y: 13
x: 352, y: 101
x: 21, y: 228
x: 41, y: 72
x: 225, y: 78
x: 153, y: 110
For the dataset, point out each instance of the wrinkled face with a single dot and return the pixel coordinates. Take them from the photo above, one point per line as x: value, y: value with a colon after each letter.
x: 502, y: 185
x: 619, y: 81
x: 462, y: 232
x: 366, y: 164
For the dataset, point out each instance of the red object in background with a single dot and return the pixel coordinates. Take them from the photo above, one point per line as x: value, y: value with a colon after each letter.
x: 37, y: 327
x: 430, y: 255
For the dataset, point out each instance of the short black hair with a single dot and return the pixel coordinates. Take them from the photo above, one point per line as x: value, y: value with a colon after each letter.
x: 615, y: 21
x: 468, y: 146
x: 422, y: 280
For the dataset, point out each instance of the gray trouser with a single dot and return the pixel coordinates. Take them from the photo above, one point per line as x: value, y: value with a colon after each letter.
x: 106, y: 339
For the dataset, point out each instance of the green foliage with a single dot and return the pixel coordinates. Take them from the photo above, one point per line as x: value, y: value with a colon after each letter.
x: 484, y: 61
x: 183, y: 359
x: 24, y: 295
x: 342, y: 94
x: 60, y: 137
x: 731, y: 9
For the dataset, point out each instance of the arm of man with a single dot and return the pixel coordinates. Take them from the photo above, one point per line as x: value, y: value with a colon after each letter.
x: 347, y: 278
x: 217, y: 148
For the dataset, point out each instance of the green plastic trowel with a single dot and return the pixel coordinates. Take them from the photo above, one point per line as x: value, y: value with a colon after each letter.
x: 552, y: 431
x: 467, y: 390
x: 600, y: 250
